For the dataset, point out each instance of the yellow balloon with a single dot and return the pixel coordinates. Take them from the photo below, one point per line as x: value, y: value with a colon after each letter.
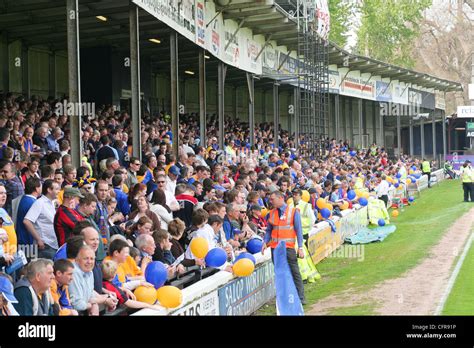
x: 264, y: 212
x: 169, y: 296
x: 408, y: 181
x: 366, y: 195
x: 319, y: 217
x: 243, y: 267
x: 395, y: 213
x: 199, y: 247
x: 345, y: 205
x: 321, y: 203
x: 358, y: 193
x: 146, y: 294
x: 289, y: 201
x: 329, y: 206
x: 411, y: 171
x: 305, y: 196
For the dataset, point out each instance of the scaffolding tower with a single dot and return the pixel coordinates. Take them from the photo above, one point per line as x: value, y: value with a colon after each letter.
x: 313, y: 83
x: 313, y: 79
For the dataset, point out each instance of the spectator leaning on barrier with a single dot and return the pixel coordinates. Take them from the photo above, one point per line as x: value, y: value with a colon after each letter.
x: 83, y: 296
x: 63, y: 270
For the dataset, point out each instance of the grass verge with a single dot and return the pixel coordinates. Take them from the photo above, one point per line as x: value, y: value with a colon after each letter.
x: 419, y: 228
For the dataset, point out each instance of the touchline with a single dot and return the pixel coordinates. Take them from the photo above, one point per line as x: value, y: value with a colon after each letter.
x: 37, y: 331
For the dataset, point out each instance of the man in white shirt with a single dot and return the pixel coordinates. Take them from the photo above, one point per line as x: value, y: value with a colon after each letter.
x: 172, y: 178
x: 171, y: 201
x: 211, y: 232
x: 39, y: 220
x: 382, y: 188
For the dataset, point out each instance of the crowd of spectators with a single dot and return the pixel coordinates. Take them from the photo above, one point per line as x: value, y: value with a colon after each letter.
x: 88, y: 233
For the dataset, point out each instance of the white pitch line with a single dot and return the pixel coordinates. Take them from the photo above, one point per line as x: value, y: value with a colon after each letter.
x: 454, y: 275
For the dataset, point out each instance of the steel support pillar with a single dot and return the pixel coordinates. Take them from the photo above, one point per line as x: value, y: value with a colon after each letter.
x: 251, y: 87
x: 276, y: 112
x: 174, y: 91
x: 74, y: 75
x: 135, y: 81
x: 221, y: 71
x: 202, y: 97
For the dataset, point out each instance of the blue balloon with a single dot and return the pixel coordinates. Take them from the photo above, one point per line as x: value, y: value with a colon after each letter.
x: 398, y: 176
x: 246, y: 255
x: 351, y: 194
x: 381, y: 222
x: 216, y: 257
x: 254, y: 245
x: 363, y: 201
x: 156, y: 274
x: 413, y: 167
x: 352, y: 153
x: 325, y: 213
x: 61, y: 253
x: 397, y: 185
x: 411, y: 199
x: 418, y: 175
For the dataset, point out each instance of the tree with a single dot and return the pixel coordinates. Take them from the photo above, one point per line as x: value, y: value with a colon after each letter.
x: 341, y: 12
x: 388, y: 29
x: 446, y: 44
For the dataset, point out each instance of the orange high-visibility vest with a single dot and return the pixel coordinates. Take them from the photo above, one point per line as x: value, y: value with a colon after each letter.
x: 284, y: 229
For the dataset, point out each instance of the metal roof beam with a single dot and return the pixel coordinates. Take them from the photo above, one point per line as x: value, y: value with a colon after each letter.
x: 245, y: 5
x: 241, y: 13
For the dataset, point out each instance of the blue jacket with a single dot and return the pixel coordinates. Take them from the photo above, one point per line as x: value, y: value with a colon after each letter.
x: 122, y: 202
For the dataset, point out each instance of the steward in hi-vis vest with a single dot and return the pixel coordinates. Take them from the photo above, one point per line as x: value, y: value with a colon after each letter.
x: 284, y: 225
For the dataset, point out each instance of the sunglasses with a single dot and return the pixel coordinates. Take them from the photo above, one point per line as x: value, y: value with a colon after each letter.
x: 161, y: 182
x: 243, y: 212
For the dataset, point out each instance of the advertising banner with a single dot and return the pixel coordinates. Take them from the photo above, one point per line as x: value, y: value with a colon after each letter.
x: 206, y: 305
x: 334, y: 81
x: 231, y: 55
x: 323, y: 242
x: 383, y: 91
x: 440, y: 100
x: 214, y: 32
x: 359, y: 87
x: 458, y: 161
x: 244, y: 295
x: 200, y: 23
x: 421, y: 98
x: 251, y: 46
x: 270, y: 58
x: 466, y: 111
x: 179, y: 15
x: 399, y: 92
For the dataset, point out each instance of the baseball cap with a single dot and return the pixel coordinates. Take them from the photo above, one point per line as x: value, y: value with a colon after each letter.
x: 255, y: 207
x: 72, y: 192
x: 237, y: 231
x: 6, y: 288
x: 312, y: 190
x: 175, y: 170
